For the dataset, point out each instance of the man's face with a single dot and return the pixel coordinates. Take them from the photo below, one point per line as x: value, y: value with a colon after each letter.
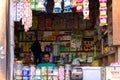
x: 46, y: 58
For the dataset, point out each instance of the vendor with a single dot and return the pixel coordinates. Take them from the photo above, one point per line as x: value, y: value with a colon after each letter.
x: 77, y: 60
x: 46, y: 61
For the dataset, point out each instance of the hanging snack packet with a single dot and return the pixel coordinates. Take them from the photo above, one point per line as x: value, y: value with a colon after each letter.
x: 103, y: 11
x: 86, y: 4
x: 73, y: 3
x: 86, y: 9
x: 103, y: 3
x: 57, y: 6
x: 33, y: 4
x: 79, y: 5
x: 67, y: 5
x: 26, y: 15
x: 19, y: 7
x: 41, y: 6
x: 103, y: 20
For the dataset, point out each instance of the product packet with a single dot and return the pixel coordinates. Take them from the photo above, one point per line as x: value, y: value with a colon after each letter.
x: 33, y: 4
x: 86, y: 9
x: 103, y: 12
x: 67, y: 6
x: 26, y: 15
x: 103, y: 20
x: 79, y: 5
x: 57, y: 6
x: 41, y: 5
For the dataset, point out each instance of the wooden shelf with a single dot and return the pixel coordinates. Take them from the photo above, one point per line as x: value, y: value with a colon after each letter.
x: 47, y: 30
x: 47, y: 41
x: 54, y: 40
x: 75, y: 51
x: 107, y: 54
x: 26, y: 41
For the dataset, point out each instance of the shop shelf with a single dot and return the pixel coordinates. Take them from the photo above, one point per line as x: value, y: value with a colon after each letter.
x: 107, y: 54
x: 75, y: 51
x: 54, y: 40
x: 47, y: 41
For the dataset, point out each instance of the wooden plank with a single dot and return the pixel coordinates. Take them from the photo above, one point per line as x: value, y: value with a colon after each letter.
x: 116, y: 22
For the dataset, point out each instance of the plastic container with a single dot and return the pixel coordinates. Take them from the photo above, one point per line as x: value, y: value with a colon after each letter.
x: 32, y: 72
x: 94, y: 71
x: 18, y: 70
x: 26, y: 73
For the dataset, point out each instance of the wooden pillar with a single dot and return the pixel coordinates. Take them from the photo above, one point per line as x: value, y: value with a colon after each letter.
x: 116, y: 25
x: 3, y: 16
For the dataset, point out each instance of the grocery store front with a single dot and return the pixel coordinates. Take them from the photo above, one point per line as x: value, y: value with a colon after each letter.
x: 7, y: 43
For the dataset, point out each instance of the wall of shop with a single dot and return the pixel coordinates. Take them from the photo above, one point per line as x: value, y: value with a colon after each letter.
x: 116, y: 26
x: 3, y: 11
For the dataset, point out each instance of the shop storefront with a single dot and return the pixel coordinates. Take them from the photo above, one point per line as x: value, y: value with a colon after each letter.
x: 80, y: 37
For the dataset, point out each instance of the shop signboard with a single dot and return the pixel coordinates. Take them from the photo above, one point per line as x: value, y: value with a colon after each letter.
x: 113, y: 73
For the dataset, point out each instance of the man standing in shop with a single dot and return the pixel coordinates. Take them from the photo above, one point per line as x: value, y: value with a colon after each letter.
x: 37, y: 52
x: 46, y: 61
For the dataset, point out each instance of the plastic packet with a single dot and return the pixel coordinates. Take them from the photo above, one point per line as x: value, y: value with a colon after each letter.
x: 33, y: 4
x: 73, y: 2
x: 86, y: 9
x: 103, y: 20
x: 67, y: 5
x: 79, y: 5
x: 103, y: 3
x: 86, y: 14
x: 41, y: 5
x: 103, y: 11
x: 19, y: 7
x: 57, y: 6
x: 26, y: 15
